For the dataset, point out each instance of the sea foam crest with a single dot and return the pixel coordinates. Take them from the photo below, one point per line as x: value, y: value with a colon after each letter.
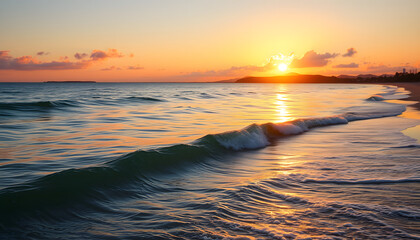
x: 289, y: 128
x: 309, y: 123
x: 251, y: 137
x: 259, y: 135
x: 389, y: 111
x: 376, y: 98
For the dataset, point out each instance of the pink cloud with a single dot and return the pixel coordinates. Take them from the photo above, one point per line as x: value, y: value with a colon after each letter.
x: 135, y: 68
x: 313, y: 59
x: 42, y: 53
x: 271, y: 64
x: 350, y: 52
x: 29, y: 63
x: 4, y: 53
x: 111, y: 68
x: 232, y: 71
x: 97, y: 55
x: 80, y: 55
x: 387, y: 68
x: 350, y: 65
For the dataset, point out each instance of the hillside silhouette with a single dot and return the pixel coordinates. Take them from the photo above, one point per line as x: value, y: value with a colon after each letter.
x: 296, y: 78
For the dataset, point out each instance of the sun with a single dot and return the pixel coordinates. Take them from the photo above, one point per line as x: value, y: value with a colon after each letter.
x: 282, y: 67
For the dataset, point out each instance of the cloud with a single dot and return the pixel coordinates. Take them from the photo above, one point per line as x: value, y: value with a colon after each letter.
x: 80, y: 55
x: 387, y: 68
x: 350, y: 52
x: 350, y: 65
x: 313, y: 59
x: 270, y: 64
x: 232, y: 71
x: 29, y: 63
x: 111, y: 68
x: 97, y: 55
x: 135, y: 68
x: 4, y: 53
x: 42, y: 53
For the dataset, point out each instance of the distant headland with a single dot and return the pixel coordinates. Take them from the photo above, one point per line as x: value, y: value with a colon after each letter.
x: 69, y: 82
x: 367, y: 78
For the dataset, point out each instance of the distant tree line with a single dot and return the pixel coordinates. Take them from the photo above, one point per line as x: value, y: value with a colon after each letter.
x: 398, y: 77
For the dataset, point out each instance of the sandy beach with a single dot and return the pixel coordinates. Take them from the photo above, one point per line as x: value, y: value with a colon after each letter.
x: 414, y: 88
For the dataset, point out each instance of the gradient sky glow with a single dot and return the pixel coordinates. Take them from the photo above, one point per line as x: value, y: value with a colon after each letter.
x: 204, y: 40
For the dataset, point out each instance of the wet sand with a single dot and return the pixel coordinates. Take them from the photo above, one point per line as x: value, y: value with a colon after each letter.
x: 414, y: 88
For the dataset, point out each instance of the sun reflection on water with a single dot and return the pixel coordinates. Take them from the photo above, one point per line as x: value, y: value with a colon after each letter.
x: 282, y: 108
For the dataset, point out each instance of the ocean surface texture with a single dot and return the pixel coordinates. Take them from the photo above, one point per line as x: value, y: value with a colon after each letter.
x: 207, y: 161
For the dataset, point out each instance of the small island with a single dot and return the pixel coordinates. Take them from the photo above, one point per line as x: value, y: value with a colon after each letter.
x: 69, y: 82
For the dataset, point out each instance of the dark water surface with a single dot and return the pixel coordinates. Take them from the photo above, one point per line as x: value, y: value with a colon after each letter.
x: 207, y: 161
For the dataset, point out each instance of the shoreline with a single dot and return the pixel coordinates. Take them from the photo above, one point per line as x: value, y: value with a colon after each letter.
x: 414, y: 89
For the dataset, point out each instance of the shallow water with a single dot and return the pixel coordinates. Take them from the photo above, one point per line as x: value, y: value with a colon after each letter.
x: 177, y: 161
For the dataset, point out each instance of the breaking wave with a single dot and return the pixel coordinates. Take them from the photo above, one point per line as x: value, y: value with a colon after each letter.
x: 78, y: 183
x: 376, y: 98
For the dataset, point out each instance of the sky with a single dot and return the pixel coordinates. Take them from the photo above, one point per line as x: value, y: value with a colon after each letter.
x: 195, y: 40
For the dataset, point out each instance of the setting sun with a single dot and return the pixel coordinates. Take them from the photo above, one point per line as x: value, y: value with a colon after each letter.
x: 282, y: 67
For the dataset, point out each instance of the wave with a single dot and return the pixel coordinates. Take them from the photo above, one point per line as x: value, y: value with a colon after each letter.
x: 408, y: 146
x: 144, y: 99
x: 368, y: 181
x: 376, y: 98
x: 124, y: 100
x: 206, y: 95
x: 38, y: 105
x: 70, y: 184
x: 352, y: 217
x: 258, y: 136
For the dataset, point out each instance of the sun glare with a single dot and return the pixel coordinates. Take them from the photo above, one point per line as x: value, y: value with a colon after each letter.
x: 282, y: 67
x: 280, y: 62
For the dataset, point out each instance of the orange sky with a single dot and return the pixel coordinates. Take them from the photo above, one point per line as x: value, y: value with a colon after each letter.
x: 204, y: 40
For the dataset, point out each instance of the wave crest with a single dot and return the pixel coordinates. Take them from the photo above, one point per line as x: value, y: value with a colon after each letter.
x: 38, y: 105
x: 142, y: 99
x: 376, y: 98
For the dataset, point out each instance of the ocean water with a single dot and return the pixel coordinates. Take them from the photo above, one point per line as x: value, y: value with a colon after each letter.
x: 207, y: 161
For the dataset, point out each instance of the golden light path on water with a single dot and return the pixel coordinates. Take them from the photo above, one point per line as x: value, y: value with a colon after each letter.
x: 282, y: 109
x: 182, y: 118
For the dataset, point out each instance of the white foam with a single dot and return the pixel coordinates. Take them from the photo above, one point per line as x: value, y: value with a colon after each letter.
x: 289, y: 128
x: 257, y: 136
x: 318, y: 122
x: 376, y: 98
x: 388, y: 111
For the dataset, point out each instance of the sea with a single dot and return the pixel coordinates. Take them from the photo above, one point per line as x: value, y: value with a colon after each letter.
x: 207, y: 161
